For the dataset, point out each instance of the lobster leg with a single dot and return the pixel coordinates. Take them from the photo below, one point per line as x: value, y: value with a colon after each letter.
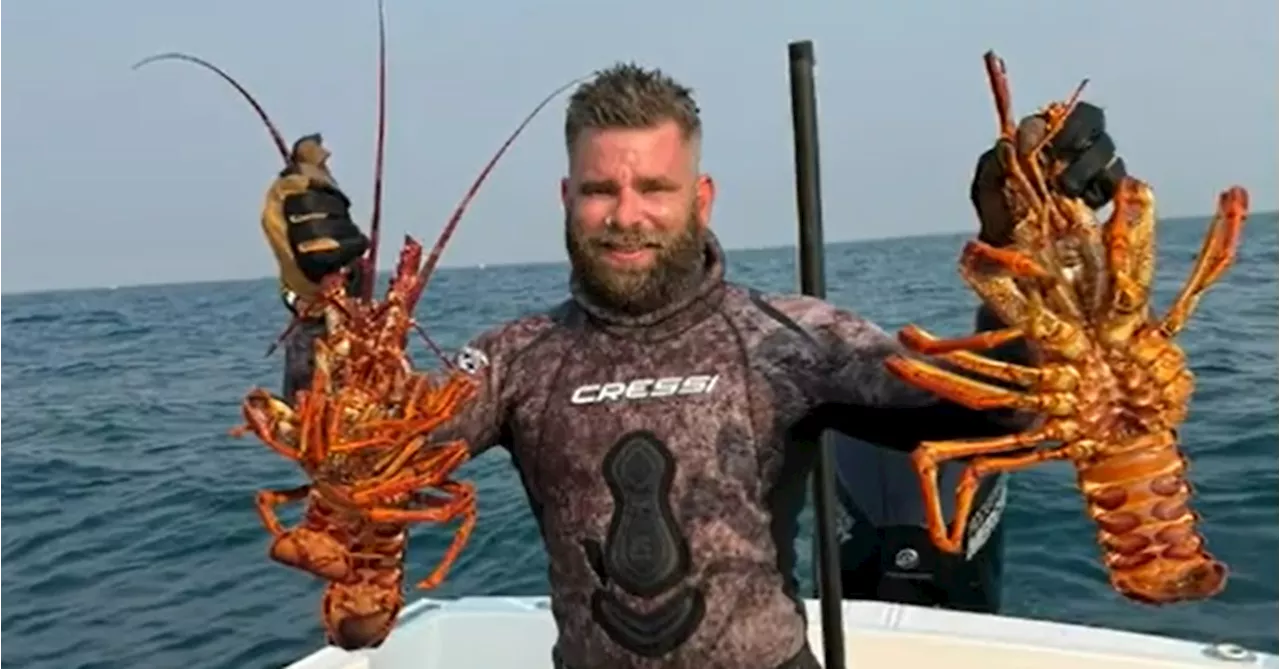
x: 264, y: 414
x: 460, y: 539
x: 1140, y: 223
x: 360, y: 444
x: 447, y: 400
x: 439, y: 405
x: 999, y: 292
x: 302, y: 547
x: 1216, y: 255
x: 423, y: 473
x: 435, y: 509
x: 930, y: 454
x: 308, y: 403
x: 1049, y: 377
x: 414, y: 426
x: 1014, y: 262
x: 266, y: 501
x: 1127, y: 307
x: 394, y: 461
x: 1056, y: 377
x: 441, y: 456
x: 918, y: 339
x: 418, y: 389
x: 1023, y: 266
x: 976, y: 394
x: 437, y: 514
x: 461, y: 503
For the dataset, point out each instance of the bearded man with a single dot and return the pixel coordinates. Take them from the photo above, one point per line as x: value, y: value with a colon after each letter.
x: 650, y: 415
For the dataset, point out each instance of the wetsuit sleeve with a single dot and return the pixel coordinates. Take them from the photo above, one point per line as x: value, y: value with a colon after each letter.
x: 482, y: 419
x: 492, y: 359
x: 855, y: 394
x: 321, y: 234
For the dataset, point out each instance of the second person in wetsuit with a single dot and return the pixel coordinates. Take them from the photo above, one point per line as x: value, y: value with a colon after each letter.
x: 885, y: 550
x: 307, y: 221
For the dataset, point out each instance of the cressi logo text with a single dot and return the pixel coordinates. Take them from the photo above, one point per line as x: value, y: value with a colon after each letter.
x: 640, y: 389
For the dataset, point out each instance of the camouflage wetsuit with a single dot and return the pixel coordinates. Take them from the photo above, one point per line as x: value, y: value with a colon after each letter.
x: 652, y: 452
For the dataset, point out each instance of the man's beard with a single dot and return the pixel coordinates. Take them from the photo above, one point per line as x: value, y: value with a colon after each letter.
x: 678, y: 265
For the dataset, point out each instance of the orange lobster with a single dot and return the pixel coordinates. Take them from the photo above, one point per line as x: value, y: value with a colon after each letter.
x: 1109, y: 387
x: 362, y: 431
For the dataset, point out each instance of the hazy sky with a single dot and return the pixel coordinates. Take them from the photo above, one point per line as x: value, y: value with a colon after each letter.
x: 122, y: 177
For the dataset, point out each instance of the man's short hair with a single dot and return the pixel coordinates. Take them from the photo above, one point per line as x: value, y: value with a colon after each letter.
x: 629, y: 96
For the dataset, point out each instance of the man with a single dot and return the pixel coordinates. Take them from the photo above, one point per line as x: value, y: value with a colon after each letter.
x: 885, y: 550
x: 649, y: 415
x: 307, y: 221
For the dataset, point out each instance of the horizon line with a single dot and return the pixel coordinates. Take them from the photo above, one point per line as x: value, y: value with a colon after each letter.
x: 527, y: 263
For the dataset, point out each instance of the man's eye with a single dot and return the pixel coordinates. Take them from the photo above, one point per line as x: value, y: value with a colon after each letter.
x: 596, y: 189
x: 656, y: 186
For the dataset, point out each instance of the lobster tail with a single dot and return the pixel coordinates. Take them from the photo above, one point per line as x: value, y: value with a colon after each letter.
x: 1139, y: 498
x: 362, y: 614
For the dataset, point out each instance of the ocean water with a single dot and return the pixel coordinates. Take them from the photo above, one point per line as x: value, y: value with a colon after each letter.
x: 130, y: 540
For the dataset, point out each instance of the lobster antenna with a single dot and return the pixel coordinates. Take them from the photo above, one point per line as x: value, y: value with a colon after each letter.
x: 429, y: 266
x: 998, y: 76
x: 375, y: 219
x: 1061, y: 119
x: 262, y: 113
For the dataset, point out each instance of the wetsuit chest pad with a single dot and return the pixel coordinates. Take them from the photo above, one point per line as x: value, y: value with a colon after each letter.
x: 321, y: 234
x: 645, y: 553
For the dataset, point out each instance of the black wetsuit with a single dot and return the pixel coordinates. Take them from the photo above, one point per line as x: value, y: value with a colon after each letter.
x: 658, y: 458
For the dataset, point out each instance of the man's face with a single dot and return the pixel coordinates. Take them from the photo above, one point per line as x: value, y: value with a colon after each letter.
x: 636, y: 214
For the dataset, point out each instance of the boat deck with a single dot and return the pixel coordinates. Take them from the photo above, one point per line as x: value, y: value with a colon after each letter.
x: 518, y: 632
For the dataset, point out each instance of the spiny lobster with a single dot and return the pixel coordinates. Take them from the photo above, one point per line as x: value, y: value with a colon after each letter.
x: 1110, y: 385
x: 361, y: 432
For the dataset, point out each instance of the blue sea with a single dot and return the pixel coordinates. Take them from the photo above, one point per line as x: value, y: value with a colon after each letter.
x: 130, y: 540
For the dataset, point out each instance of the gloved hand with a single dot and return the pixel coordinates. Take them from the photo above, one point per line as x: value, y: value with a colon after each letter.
x: 322, y: 235
x: 1092, y: 169
x: 317, y: 214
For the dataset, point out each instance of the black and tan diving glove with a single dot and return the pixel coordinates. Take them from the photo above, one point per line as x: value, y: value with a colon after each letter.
x: 1092, y: 169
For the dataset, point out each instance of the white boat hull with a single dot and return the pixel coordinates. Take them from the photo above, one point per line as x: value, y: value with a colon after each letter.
x: 518, y: 632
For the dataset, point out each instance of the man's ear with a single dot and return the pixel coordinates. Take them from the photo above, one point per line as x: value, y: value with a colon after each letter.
x: 705, y: 198
x: 564, y: 192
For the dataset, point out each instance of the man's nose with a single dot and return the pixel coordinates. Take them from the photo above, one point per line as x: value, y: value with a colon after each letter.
x: 629, y: 212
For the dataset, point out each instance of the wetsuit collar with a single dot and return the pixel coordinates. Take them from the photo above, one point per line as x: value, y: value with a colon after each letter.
x: 677, y: 316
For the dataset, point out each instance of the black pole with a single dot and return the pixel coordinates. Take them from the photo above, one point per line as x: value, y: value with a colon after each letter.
x: 804, y: 116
